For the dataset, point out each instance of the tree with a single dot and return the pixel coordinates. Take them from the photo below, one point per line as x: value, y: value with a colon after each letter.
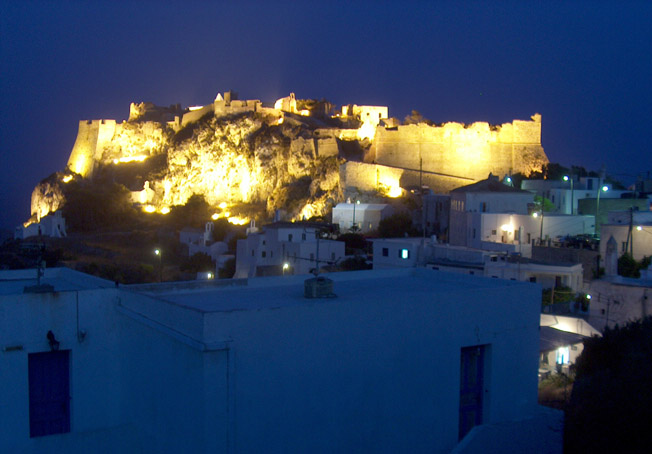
x: 611, y: 403
x: 397, y: 225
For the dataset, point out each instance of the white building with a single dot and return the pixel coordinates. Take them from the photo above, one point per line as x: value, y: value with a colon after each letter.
x: 393, y: 361
x: 515, y: 233
x: 618, y: 300
x: 285, y: 248
x: 53, y: 225
x: 547, y: 274
x: 487, y: 196
x: 361, y: 217
x: 632, y: 232
x: 565, y: 194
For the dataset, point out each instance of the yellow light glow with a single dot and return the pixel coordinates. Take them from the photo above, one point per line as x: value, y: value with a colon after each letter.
x: 366, y: 131
x: 389, y: 186
x: 149, y: 209
x: 193, y: 108
x: 215, y: 216
x: 236, y: 220
x: 304, y: 112
x: 125, y: 159
x: 165, y: 210
x: 394, y: 191
x: 67, y: 178
x: 280, y: 121
x: 222, y: 205
x: 507, y: 228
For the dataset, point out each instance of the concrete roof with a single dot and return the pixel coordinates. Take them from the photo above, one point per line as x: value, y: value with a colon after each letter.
x: 13, y: 282
x: 281, y: 291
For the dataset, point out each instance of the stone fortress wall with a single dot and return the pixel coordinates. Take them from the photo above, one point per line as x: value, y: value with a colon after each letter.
x: 448, y: 156
x: 441, y: 157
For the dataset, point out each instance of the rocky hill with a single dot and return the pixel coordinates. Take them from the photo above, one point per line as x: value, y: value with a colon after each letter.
x: 249, y: 161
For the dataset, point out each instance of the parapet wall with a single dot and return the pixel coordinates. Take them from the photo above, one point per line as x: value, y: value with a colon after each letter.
x: 471, y: 151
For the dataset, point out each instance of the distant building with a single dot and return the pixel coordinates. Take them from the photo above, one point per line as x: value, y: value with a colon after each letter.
x: 389, y: 361
x: 286, y: 248
x: 360, y: 217
x: 486, y: 196
x: 632, y: 232
x: 52, y: 225
x: 493, y: 216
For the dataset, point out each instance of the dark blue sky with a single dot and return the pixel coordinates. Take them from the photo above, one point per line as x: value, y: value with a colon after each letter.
x: 585, y: 66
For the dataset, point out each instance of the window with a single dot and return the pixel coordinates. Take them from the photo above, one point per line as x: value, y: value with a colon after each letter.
x: 264, y: 243
x: 403, y: 254
x: 385, y: 252
x: 49, y: 393
x: 493, y: 232
x: 290, y: 237
x: 303, y: 236
x: 472, y: 388
x: 474, y: 234
x: 263, y: 254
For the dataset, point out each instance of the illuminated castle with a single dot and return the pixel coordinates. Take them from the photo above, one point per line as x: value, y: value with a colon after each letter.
x: 298, y: 155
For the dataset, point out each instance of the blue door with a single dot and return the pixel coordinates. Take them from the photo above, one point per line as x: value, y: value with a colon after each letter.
x: 49, y: 393
x: 471, y: 388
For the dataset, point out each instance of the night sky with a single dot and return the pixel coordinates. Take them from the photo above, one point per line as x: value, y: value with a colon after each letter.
x: 585, y: 66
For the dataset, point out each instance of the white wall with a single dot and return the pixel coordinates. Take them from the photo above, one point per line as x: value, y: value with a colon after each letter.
x: 363, y: 381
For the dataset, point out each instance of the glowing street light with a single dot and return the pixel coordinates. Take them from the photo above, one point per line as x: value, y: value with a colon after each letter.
x: 604, y: 188
x: 570, y: 178
x: 159, y: 254
x: 286, y: 265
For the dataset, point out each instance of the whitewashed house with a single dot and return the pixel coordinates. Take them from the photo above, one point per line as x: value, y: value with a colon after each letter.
x: 52, y: 225
x: 360, y: 217
x: 632, y: 232
x: 286, y: 248
x: 386, y: 361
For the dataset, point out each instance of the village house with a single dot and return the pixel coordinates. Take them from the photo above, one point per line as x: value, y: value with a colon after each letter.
x: 381, y: 361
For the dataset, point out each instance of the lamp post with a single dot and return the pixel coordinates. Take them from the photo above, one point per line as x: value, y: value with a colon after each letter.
x: 158, y: 253
x: 286, y: 265
x: 604, y: 188
x: 536, y: 215
x: 570, y: 178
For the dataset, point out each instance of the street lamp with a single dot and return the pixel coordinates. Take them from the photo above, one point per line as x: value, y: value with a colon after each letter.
x: 567, y: 178
x: 286, y: 265
x: 604, y: 188
x: 536, y: 215
x: 158, y: 253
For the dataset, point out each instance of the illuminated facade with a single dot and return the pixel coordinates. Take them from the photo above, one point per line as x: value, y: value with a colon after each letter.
x: 240, y: 151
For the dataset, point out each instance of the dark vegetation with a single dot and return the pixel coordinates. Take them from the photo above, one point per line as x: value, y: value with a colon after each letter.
x: 397, y: 225
x: 610, y: 408
x: 629, y: 267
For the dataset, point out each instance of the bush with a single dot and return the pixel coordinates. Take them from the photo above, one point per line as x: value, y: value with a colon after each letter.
x: 397, y: 225
x: 611, y: 403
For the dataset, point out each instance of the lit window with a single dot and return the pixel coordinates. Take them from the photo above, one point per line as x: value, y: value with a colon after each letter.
x: 403, y: 254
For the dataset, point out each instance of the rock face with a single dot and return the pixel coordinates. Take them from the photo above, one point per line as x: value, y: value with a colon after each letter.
x: 300, y: 161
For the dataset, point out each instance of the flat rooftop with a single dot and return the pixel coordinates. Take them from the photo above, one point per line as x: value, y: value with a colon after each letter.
x: 282, y: 291
x: 13, y: 282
